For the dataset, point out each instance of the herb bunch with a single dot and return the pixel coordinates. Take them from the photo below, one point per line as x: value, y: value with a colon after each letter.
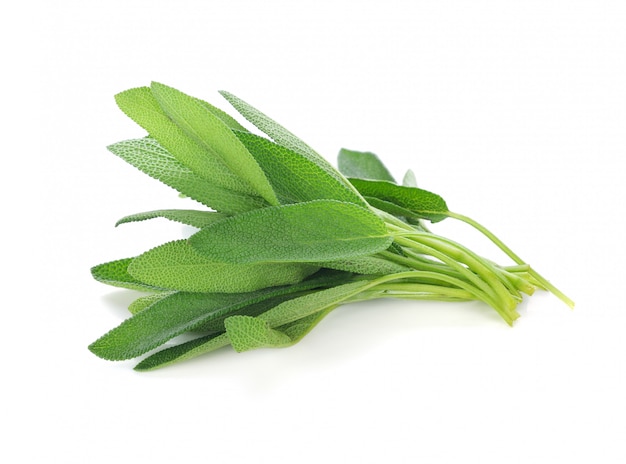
x: 283, y: 237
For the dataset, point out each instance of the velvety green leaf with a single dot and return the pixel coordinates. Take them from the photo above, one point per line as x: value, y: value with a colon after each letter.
x: 142, y: 107
x: 274, y: 130
x: 321, y: 230
x: 296, y: 178
x: 304, y: 306
x: 362, y: 165
x: 150, y: 157
x: 189, y: 217
x: 177, y: 266
x: 365, y: 265
x: 421, y: 203
x: 216, y: 137
x: 115, y: 273
x: 143, y: 302
x: 184, y: 351
x: 169, y: 317
x: 226, y: 118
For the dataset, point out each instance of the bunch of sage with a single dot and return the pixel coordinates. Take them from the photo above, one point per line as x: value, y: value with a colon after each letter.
x: 282, y: 239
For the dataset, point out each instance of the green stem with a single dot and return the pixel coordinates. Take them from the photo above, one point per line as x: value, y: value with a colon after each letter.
x: 500, y: 244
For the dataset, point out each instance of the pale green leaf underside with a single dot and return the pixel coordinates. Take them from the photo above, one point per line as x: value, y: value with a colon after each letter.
x: 421, y: 203
x: 190, y: 217
x: 296, y: 178
x: 177, y: 266
x: 216, y: 137
x: 319, y: 230
x: 362, y: 165
x: 409, y: 179
x: 142, y: 107
x: 150, y: 157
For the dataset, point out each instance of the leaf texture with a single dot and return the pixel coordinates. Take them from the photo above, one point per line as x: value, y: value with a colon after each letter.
x: 362, y: 165
x: 216, y: 137
x: 177, y: 266
x: 150, y: 157
x: 115, y: 273
x: 320, y: 230
x: 421, y: 203
x: 296, y: 178
x: 190, y: 217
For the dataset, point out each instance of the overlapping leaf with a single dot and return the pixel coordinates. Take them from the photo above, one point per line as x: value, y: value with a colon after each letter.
x: 150, y: 157
x: 177, y: 266
x: 319, y: 230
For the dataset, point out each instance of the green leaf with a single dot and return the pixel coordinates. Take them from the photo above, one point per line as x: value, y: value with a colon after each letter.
x: 362, y: 165
x: 320, y: 230
x: 143, y: 302
x: 247, y: 333
x: 216, y: 137
x: 274, y: 130
x: 226, y: 118
x: 157, y: 320
x: 365, y: 265
x: 296, y: 178
x: 421, y: 203
x: 150, y: 157
x: 177, y: 266
x: 304, y: 306
x: 115, y: 273
x: 183, y: 351
x: 190, y: 217
x: 142, y: 107
x: 169, y: 317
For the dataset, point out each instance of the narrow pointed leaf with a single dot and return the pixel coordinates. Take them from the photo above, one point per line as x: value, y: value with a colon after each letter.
x: 190, y: 217
x: 142, y: 107
x: 115, y: 273
x: 304, y: 306
x: 184, y: 351
x: 216, y: 137
x: 150, y: 157
x: 169, y: 317
x: 143, y: 302
x: 421, y: 203
x: 177, y: 266
x: 274, y: 130
x: 296, y: 178
x: 362, y: 165
x: 319, y: 230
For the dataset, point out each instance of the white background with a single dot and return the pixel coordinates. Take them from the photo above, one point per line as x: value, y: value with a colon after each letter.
x: 514, y: 111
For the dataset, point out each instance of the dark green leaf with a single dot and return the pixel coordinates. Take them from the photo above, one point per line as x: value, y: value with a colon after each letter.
x: 421, y: 203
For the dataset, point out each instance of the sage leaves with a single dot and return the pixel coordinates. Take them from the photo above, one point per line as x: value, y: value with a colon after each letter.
x: 282, y: 237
